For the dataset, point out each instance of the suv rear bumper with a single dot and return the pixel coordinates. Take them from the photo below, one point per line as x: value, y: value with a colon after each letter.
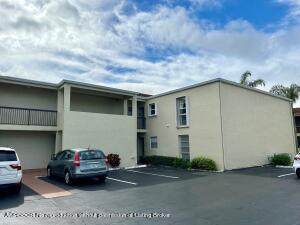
x: 14, y: 180
x: 11, y: 185
x: 89, y: 175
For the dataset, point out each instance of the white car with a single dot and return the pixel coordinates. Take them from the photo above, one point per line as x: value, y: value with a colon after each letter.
x: 296, y: 165
x: 10, y: 169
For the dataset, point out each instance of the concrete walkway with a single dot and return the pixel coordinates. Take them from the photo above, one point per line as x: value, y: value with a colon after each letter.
x: 45, y: 189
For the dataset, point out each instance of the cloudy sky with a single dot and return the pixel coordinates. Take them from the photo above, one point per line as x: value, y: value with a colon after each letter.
x: 150, y: 45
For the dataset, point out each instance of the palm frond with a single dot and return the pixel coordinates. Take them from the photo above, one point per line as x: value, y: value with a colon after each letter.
x: 244, y: 78
x: 258, y: 82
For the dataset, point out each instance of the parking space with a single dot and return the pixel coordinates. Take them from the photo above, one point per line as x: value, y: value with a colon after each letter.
x: 248, y: 196
x: 267, y: 171
x: 125, y: 179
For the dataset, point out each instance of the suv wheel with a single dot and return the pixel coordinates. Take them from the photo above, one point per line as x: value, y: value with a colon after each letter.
x: 68, y: 179
x: 49, y: 172
x: 298, y: 173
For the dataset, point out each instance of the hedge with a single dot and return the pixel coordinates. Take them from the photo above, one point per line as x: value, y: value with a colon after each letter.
x: 166, y: 161
x: 197, y: 163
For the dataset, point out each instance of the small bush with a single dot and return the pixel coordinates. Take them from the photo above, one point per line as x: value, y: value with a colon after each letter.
x: 283, y: 159
x: 114, y: 160
x: 203, y: 163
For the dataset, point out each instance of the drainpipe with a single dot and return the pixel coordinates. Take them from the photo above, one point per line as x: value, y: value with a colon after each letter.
x: 221, y: 120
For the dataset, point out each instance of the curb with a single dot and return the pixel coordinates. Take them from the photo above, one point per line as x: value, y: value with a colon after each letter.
x: 284, y: 167
x: 127, y: 168
x: 210, y: 171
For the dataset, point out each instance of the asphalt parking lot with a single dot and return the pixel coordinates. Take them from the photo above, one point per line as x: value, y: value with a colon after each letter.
x: 249, y: 196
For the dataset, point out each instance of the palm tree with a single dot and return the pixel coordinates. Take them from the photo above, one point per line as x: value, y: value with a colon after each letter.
x: 251, y: 83
x: 291, y: 92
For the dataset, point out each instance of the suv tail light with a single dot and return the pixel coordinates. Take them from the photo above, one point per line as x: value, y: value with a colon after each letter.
x: 16, y: 166
x: 76, y: 159
x: 297, y: 157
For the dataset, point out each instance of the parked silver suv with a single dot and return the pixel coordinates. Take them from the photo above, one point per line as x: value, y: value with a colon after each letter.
x: 78, y: 163
x: 10, y: 169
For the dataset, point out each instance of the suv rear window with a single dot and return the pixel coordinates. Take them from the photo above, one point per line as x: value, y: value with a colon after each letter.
x: 91, y: 154
x: 7, y: 156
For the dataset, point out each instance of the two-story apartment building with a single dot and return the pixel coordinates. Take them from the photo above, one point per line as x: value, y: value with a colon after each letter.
x: 234, y: 125
x: 297, y: 124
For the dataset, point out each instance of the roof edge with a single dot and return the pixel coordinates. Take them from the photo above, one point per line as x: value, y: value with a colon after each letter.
x: 55, y: 86
x: 218, y: 80
x: 28, y: 82
x: 254, y: 89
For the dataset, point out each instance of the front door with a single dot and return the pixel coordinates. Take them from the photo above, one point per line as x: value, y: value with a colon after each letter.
x: 140, y: 147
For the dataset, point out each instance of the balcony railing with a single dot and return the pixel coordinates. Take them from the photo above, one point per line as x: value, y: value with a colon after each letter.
x: 141, y: 122
x: 24, y: 116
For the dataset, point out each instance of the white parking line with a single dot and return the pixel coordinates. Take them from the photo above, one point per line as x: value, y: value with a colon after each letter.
x: 288, y: 174
x: 123, y: 181
x: 154, y: 174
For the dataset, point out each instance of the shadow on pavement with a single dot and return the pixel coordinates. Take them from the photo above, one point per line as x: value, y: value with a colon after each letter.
x: 9, y: 199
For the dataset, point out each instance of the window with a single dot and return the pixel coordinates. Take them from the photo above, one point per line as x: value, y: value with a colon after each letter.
x: 152, y: 109
x: 91, y: 154
x: 153, y: 142
x: 69, y: 155
x: 181, y: 107
x: 298, y: 138
x: 7, y: 156
x: 60, y: 155
x: 184, y: 147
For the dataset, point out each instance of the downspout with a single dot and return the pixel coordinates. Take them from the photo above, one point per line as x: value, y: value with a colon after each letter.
x: 221, y: 125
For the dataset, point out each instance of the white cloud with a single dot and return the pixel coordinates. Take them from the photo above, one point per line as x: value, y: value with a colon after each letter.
x: 294, y: 12
x: 92, y: 40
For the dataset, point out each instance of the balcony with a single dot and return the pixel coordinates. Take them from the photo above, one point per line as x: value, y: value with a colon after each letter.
x: 29, y: 117
x: 141, y: 122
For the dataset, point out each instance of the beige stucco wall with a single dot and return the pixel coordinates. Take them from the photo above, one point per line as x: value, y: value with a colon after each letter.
x: 110, y: 133
x: 254, y: 126
x: 34, y: 148
x: 95, y: 103
x: 27, y: 97
x: 204, y: 130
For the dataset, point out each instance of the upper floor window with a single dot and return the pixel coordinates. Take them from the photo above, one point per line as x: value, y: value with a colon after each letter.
x: 152, y: 109
x: 182, y: 111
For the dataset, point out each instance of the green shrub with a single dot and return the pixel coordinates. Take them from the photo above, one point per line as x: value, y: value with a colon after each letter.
x: 283, y: 159
x: 114, y: 160
x: 203, y: 163
x: 181, y: 163
x: 166, y: 161
x: 159, y: 160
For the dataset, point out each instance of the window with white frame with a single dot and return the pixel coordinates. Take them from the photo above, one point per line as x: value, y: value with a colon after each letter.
x: 184, y: 147
x: 182, y: 115
x: 153, y: 142
x: 152, y: 109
